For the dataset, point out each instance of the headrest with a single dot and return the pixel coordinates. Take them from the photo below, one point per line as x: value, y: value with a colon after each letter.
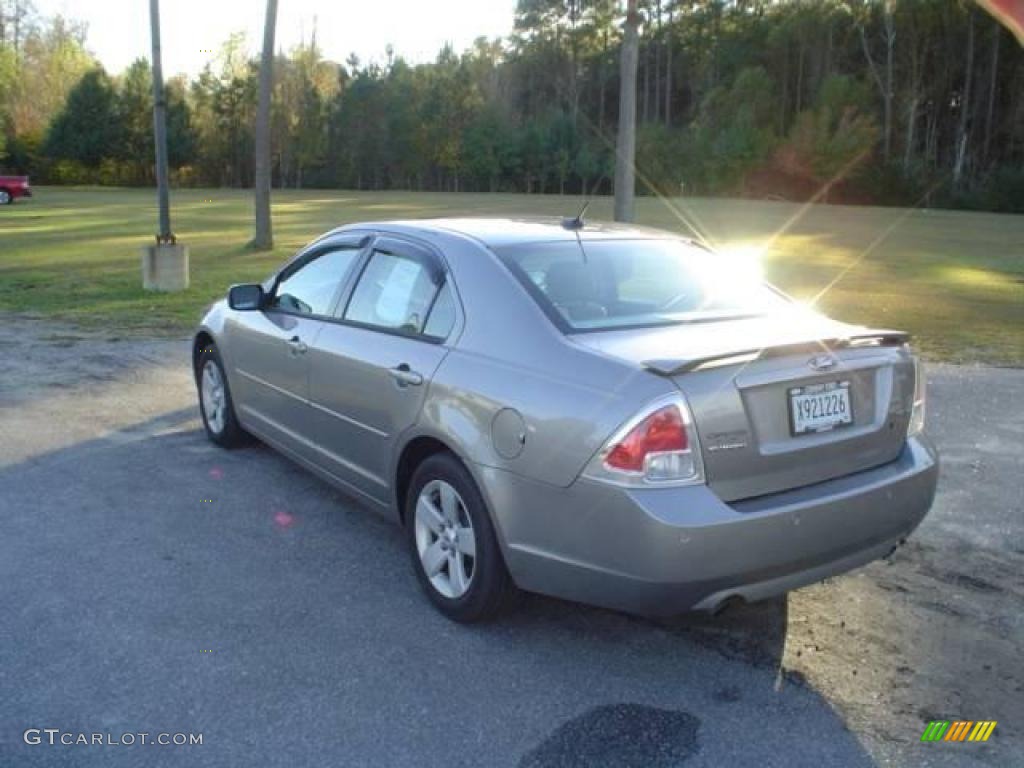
x: 571, y: 282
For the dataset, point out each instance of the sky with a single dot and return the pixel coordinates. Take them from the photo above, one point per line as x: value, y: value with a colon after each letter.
x: 193, y: 29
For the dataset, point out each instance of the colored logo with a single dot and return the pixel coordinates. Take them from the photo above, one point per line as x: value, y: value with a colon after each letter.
x: 958, y: 730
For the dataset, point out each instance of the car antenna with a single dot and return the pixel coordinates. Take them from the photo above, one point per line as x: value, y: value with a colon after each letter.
x: 576, y: 222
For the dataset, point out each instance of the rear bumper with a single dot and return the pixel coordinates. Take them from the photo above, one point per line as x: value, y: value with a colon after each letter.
x: 664, y: 551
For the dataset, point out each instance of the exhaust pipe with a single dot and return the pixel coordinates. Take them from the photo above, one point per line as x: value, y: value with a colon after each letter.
x: 727, y: 603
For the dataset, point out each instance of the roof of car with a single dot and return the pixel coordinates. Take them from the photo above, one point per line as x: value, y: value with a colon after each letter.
x: 497, y: 232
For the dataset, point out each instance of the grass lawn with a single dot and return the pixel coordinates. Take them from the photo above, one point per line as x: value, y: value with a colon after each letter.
x: 954, y: 280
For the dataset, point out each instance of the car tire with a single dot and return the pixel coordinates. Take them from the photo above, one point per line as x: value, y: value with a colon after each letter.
x: 6, y: 198
x: 215, y: 403
x: 489, y: 589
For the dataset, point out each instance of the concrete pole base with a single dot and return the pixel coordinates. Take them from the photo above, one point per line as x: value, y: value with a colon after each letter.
x: 165, y: 267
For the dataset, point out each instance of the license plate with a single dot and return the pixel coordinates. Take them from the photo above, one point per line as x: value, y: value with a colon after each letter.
x: 820, y: 407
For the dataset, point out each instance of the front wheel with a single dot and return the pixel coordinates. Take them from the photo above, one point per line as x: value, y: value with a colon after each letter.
x: 215, y: 403
x: 454, y: 548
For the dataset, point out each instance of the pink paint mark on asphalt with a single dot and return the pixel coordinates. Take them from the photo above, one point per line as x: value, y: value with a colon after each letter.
x: 217, y: 473
x: 283, y: 519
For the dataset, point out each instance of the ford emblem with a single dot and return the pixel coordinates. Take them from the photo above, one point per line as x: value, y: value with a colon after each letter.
x: 822, y: 362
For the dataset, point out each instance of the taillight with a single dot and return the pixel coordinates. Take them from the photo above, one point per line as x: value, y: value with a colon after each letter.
x: 657, y: 446
x: 661, y: 432
x: 916, y: 424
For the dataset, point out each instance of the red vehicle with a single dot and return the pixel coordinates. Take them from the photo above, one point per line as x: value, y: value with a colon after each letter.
x: 13, y: 187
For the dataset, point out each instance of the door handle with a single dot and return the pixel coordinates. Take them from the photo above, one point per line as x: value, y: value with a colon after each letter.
x: 297, y: 345
x: 405, y: 375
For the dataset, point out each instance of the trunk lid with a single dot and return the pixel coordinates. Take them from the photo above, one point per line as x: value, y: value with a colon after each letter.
x: 737, y: 376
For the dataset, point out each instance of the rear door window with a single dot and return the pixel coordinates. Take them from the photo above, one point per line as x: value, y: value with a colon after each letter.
x: 442, y: 315
x: 397, y: 292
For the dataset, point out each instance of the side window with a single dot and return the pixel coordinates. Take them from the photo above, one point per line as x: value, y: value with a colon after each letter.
x: 310, y: 290
x: 394, y: 292
x: 442, y: 314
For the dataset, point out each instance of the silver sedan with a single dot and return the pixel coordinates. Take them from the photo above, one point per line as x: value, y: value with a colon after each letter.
x: 611, y: 415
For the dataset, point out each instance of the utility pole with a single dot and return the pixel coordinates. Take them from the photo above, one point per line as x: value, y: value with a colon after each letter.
x: 263, y: 238
x: 625, y: 146
x: 164, y: 265
x: 160, y: 128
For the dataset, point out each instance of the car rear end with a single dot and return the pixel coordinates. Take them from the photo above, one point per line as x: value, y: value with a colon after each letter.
x: 814, y: 462
x: 788, y: 448
x: 15, y: 187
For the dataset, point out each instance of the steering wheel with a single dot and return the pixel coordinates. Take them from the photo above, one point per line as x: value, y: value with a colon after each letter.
x: 292, y: 303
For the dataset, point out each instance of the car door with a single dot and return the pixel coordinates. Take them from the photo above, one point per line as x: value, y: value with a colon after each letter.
x: 269, y: 347
x: 369, y: 371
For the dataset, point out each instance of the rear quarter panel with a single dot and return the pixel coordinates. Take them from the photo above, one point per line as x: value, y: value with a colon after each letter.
x: 511, y: 360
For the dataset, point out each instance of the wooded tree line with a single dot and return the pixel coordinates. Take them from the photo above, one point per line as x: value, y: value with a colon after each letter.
x: 856, y: 100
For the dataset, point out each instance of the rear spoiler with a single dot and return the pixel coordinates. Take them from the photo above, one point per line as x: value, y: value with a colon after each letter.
x: 673, y: 366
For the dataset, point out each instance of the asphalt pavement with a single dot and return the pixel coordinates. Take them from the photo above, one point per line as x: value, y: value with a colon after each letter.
x: 151, y: 582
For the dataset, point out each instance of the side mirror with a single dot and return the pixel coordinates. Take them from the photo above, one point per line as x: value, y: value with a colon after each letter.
x: 246, y: 296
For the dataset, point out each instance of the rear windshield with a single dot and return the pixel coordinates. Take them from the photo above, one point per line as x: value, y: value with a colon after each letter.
x: 607, y: 284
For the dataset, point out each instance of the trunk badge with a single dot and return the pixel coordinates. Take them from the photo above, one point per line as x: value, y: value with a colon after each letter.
x: 822, y: 362
x: 727, y: 441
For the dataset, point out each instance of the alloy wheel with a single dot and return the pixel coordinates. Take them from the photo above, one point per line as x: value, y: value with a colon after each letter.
x: 444, y: 539
x: 214, y: 397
